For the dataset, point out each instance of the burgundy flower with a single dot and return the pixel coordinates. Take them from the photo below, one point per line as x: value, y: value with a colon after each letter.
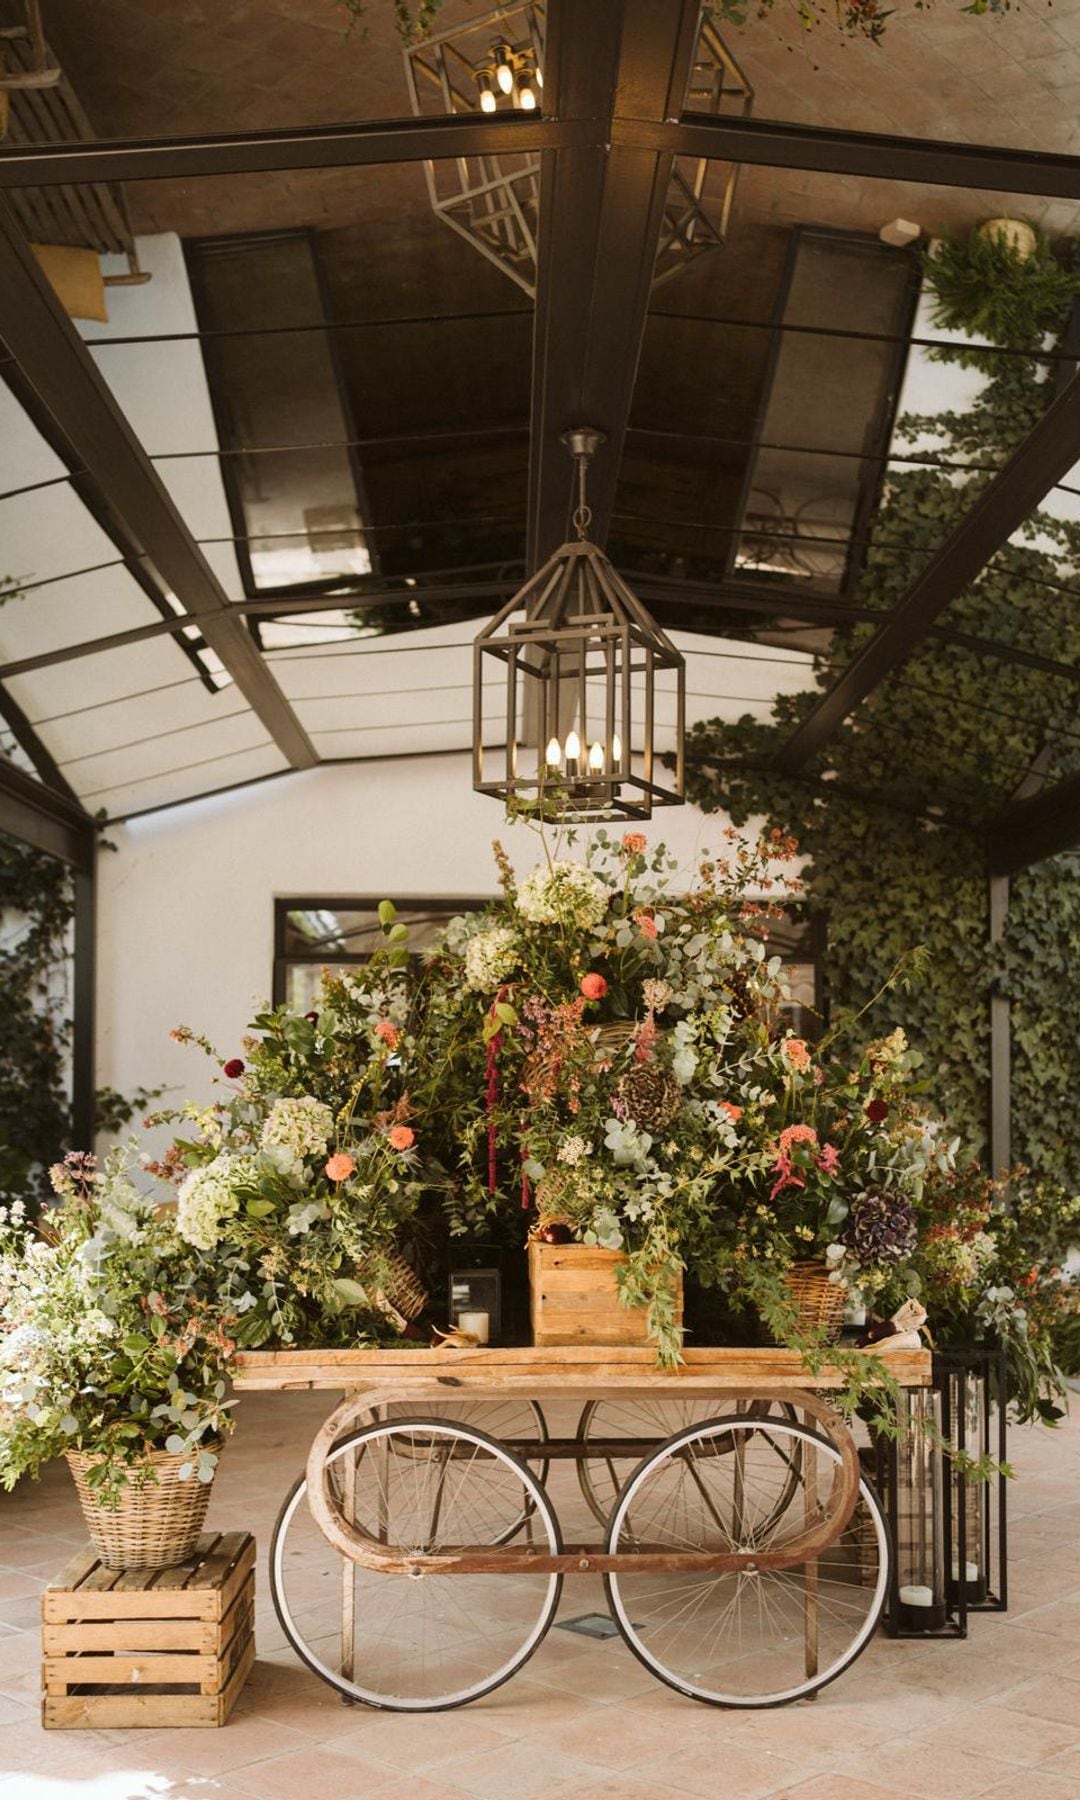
x: 876, y: 1110
x: 234, y: 1068
x: 312, y: 1018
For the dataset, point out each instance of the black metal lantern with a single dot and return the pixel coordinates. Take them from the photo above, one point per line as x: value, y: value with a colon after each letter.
x: 575, y: 660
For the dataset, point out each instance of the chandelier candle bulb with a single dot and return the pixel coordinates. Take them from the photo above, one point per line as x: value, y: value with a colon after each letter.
x: 596, y: 758
x: 553, y: 754
x: 573, y: 753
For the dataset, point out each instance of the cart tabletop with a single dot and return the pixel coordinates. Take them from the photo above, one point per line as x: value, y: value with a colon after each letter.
x: 395, y: 1374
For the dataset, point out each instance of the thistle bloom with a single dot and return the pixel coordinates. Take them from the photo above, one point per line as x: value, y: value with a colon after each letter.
x: 877, y: 1110
x: 402, y: 1137
x: 593, y: 986
x: 233, y: 1069
x: 340, y: 1166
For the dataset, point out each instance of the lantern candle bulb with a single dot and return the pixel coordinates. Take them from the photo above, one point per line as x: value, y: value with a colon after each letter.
x: 573, y: 753
x: 553, y: 754
x: 596, y: 759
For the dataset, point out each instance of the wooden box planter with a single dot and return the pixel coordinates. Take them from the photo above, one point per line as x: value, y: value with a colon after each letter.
x: 153, y: 1647
x: 573, y: 1298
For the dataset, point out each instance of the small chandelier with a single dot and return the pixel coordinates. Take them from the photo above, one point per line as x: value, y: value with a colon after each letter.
x: 496, y: 63
x: 574, y: 659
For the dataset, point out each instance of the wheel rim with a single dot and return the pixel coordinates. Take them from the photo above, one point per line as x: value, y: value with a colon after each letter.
x: 426, y: 1642
x: 602, y: 1478
x: 746, y: 1639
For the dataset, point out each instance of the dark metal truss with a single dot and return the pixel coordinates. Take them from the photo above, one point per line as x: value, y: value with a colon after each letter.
x: 1044, y: 458
x: 99, y: 444
x: 39, y: 815
x: 611, y: 127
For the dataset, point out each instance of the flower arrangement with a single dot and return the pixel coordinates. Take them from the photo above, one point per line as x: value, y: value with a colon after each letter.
x: 113, y: 1339
x: 302, y: 1177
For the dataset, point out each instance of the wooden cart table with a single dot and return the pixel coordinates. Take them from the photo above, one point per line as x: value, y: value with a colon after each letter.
x: 745, y: 1559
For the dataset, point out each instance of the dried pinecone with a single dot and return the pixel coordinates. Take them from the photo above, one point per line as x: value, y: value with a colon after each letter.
x: 738, y: 987
x: 649, y: 1096
x: 881, y: 1228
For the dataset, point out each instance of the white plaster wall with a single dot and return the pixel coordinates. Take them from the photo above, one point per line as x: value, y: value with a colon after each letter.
x: 186, y: 900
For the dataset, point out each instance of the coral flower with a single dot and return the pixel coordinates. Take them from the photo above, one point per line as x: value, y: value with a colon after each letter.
x: 634, y: 842
x: 797, y: 1054
x: 340, y: 1166
x: 387, y: 1033
x: 402, y: 1137
x: 233, y: 1069
x: 594, y: 987
x: 734, y: 1112
x: 646, y: 924
x: 796, y: 1134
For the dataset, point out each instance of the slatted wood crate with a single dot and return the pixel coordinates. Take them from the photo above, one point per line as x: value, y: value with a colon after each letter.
x: 154, y: 1647
x: 574, y: 1300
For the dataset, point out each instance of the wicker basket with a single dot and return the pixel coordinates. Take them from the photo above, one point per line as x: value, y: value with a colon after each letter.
x: 154, y: 1527
x: 402, y: 1296
x: 819, y: 1302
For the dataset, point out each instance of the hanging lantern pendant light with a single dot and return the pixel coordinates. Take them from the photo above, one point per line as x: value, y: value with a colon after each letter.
x: 573, y: 659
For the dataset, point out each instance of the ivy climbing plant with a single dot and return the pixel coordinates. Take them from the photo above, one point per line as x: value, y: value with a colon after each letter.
x: 890, y: 813
x: 36, y: 910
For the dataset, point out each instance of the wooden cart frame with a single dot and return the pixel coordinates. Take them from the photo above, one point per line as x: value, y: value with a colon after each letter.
x: 752, y: 1381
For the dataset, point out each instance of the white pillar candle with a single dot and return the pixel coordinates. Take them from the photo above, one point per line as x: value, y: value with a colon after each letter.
x: 916, y: 1596
x: 971, y: 1571
x: 477, y: 1324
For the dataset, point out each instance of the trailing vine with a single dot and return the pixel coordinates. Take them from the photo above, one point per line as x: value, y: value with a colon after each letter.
x: 889, y: 813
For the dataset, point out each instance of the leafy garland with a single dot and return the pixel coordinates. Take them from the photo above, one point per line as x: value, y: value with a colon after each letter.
x: 36, y: 909
x: 940, y: 744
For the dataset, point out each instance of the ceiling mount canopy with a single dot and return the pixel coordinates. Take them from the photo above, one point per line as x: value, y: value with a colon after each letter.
x: 495, y: 63
x: 583, y: 681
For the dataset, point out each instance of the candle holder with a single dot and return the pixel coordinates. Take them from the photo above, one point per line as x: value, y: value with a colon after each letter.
x: 974, y: 1418
x: 911, y: 1482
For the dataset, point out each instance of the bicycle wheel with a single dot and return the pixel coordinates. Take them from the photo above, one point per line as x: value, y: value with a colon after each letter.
x: 419, y: 1642
x: 753, y: 1637
x: 638, y: 1419
x: 509, y: 1420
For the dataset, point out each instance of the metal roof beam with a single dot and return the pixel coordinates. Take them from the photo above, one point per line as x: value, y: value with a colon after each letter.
x: 362, y: 144
x: 101, y: 445
x: 601, y: 211
x: 1031, y: 830
x: 768, y: 143
x: 1044, y: 458
x: 826, y: 151
x: 39, y: 815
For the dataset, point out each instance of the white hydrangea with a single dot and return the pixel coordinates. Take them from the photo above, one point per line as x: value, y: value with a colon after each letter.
x: 207, y: 1196
x: 566, y: 893
x: 295, y: 1130
x: 490, y: 956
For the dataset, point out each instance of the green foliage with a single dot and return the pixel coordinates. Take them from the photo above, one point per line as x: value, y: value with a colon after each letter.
x: 985, y: 287
x: 413, y: 23
x: 889, y: 814
x: 36, y: 906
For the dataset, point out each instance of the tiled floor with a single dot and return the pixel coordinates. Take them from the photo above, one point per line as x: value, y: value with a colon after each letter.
x: 998, y: 1715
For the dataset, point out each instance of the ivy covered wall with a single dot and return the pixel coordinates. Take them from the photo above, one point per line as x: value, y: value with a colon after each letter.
x: 36, y: 910
x: 944, y: 743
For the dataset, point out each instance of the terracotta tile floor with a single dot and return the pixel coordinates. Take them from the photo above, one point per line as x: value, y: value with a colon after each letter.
x: 998, y: 1715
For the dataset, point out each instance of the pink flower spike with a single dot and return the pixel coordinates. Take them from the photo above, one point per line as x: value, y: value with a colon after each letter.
x: 829, y: 1160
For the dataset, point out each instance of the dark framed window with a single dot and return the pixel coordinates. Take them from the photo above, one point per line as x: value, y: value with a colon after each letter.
x: 313, y: 933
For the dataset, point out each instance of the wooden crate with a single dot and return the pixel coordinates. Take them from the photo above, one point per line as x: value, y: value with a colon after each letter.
x: 573, y: 1298
x: 155, y: 1647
